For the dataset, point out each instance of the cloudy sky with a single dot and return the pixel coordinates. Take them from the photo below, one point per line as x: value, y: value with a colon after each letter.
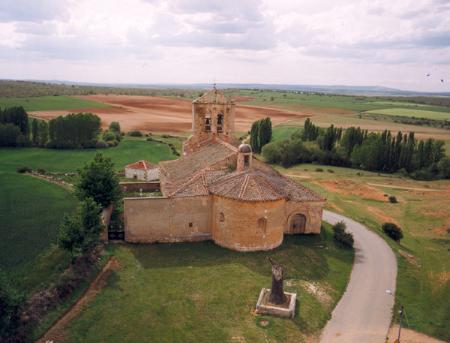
x: 374, y: 42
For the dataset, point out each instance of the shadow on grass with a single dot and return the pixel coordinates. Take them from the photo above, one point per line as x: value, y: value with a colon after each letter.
x: 302, y: 256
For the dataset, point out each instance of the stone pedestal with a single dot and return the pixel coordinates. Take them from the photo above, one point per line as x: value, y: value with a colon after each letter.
x: 285, y: 310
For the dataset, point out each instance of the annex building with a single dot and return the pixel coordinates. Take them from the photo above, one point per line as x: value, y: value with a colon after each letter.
x: 218, y: 191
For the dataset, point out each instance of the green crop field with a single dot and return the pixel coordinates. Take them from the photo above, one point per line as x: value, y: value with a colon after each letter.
x: 48, y: 103
x: 415, y: 113
x: 200, y: 292
x: 422, y: 211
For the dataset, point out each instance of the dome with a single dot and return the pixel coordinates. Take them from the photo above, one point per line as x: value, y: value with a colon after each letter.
x: 245, y: 148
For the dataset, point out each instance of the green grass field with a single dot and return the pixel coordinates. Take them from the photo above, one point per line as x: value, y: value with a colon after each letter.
x: 30, y: 212
x: 48, y: 103
x: 415, y: 113
x: 128, y: 151
x: 200, y: 292
x: 422, y: 211
x: 31, y: 209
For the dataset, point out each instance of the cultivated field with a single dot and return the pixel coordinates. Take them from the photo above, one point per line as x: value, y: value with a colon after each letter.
x: 160, y: 114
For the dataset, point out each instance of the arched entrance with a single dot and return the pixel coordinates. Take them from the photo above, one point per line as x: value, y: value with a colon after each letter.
x: 297, y: 223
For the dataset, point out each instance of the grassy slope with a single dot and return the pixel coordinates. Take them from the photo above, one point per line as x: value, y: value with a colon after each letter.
x: 200, y: 292
x: 423, y: 286
x: 31, y: 209
x: 47, y: 103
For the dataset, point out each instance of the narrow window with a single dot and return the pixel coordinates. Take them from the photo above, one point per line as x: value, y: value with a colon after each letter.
x: 190, y: 224
x: 219, y: 122
x: 208, y: 123
x: 262, y: 224
x: 246, y: 161
x: 221, y: 217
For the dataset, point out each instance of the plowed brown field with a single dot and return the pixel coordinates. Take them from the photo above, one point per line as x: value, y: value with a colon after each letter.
x: 159, y: 114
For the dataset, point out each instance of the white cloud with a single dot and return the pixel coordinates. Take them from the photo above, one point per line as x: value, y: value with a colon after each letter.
x: 376, y: 42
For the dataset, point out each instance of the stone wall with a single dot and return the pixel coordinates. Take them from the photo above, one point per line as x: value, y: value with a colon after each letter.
x: 141, y: 174
x: 167, y: 220
x: 311, y: 210
x: 137, y: 186
x: 237, y: 224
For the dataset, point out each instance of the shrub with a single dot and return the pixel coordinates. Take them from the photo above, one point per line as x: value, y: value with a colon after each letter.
x: 135, y: 133
x: 393, y: 199
x: 113, y: 143
x: 41, y: 171
x: 101, y: 145
x: 393, y: 231
x: 330, y: 171
x: 109, y: 136
x: 341, y: 237
x: 114, y: 126
x: 319, y: 170
x: 24, y: 169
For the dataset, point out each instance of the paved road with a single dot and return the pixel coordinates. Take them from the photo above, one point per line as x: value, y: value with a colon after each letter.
x: 363, y: 315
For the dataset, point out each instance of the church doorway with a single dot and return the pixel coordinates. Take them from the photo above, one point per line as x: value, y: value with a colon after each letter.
x: 298, y: 223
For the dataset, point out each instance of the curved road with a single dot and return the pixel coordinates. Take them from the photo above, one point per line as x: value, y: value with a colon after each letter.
x: 364, y: 313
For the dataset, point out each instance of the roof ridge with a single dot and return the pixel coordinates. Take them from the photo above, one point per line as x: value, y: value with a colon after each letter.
x: 187, y: 183
x: 244, y: 186
x: 226, y: 144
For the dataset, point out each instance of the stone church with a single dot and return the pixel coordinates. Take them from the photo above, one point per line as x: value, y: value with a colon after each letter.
x: 218, y: 191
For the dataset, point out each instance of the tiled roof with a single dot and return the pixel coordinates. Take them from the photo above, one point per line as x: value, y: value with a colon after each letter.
x: 194, y: 175
x: 142, y: 164
x: 179, y: 171
x: 213, y: 96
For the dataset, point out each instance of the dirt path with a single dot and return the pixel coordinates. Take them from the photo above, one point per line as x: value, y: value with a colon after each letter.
x: 410, y: 336
x: 57, y: 332
x: 365, y: 310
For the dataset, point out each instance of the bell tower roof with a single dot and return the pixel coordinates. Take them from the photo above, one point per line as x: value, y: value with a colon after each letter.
x: 213, y: 96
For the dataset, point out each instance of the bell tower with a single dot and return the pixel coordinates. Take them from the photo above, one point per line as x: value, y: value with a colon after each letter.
x: 212, y: 118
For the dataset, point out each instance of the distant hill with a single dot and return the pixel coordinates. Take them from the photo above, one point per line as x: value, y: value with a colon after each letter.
x: 328, y: 89
x: 21, y: 88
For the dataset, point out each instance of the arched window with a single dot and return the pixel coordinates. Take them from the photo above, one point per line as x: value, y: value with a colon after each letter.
x: 262, y: 224
x: 219, y: 122
x: 221, y: 217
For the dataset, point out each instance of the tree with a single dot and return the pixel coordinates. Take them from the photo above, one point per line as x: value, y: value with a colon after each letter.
x: 90, y: 223
x: 9, y: 133
x: 99, y: 181
x: 310, y: 131
x: 10, y: 301
x: 79, y: 233
x: 393, y: 231
x: 254, y: 137
x: 35, y: 132
x: 70, y: 236
x: 341, y: 237
x: 114, y: 126
x: 43, y: 133
x: 16, y: 116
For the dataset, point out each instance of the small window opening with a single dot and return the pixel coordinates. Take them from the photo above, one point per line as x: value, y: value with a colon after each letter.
x: 208, y: 123
x: 262, y: 224
x: 221, y: 217
x: 246, y: 161
x: 219, y: 122
x: 190, y: 224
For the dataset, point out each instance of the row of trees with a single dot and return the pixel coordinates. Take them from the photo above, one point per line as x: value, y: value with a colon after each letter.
x: 14, y: 127
x: 359, y: 148
x: 260, y: 134
x: 74, y: 131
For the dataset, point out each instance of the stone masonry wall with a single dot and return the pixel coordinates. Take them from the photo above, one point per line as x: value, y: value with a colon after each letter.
x: 236, y: 224
x: 311, y: 210
x: 167, y: 220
